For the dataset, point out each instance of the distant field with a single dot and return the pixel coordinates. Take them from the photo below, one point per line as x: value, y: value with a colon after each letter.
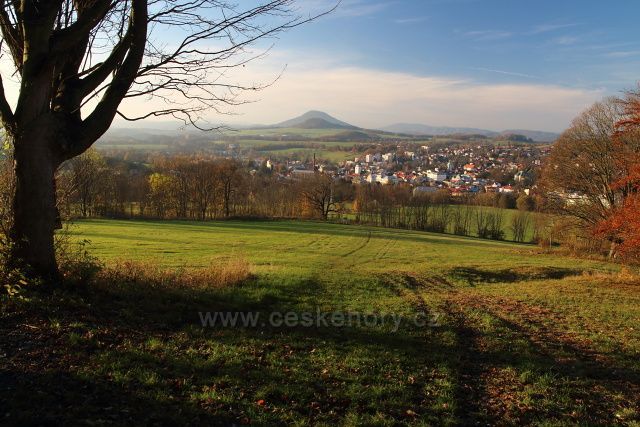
x: 309, y: 133
x: 512, y: 336
x: 302, y: 149
x: 261, y: 144
x: 302, y: 153
x: 143, y: 147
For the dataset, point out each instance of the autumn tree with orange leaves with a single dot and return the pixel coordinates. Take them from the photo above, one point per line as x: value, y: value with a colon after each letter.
x: 623, y: 224
x: 589, y: 175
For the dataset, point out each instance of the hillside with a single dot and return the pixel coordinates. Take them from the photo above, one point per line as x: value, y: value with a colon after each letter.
x: 315, y: 118
x: 535, y: 135
x: 406, y: 328
x: 318, y: 123
x: 420, y: 129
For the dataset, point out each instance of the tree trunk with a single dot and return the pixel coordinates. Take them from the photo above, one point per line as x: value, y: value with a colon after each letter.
x: 613, y: 250
x: 34, y: 204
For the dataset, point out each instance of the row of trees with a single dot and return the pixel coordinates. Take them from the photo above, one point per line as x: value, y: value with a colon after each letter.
x: 191, y: 187
x: 481, y: 215
x: 204, y: 188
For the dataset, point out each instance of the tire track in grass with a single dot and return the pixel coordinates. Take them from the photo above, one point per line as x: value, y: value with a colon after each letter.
x: 360, y: 247
x: 318, y: 241
x: 387, y: 247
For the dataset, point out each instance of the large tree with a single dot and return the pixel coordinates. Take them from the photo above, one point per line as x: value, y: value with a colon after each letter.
x: 77, y: 60
x: 623, y: 224
x: 584, y: 170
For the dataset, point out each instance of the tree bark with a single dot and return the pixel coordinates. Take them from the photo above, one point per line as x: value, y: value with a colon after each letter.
x: 34, y: 203
x: 613, y: 250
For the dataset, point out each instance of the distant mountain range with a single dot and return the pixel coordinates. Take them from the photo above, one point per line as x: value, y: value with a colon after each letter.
x: 322, y: 120
x: 420, y: 129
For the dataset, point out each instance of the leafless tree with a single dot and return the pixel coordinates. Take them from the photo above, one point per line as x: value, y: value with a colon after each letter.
x: 520, y: 224
x: 87, y: 174
x: 77, y: 60
x: 229, y: 175
x: 317, y: 191
x: 203, y: 175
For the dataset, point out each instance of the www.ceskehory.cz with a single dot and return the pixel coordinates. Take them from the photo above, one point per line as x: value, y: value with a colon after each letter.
x: 316, y: 319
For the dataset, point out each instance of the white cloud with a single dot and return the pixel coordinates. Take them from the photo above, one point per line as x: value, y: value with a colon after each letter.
x: 405, y: 21
x: 488, y: 35
x: 623, y: 54
x: 565, y: 40
x: 507, y: 73
x: 547, y: 28
x: 346, y: 8
x: 373, y: 98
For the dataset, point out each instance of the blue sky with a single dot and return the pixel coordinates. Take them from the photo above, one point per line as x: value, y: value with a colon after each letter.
x: 496, y: 64
x: 586, y: 43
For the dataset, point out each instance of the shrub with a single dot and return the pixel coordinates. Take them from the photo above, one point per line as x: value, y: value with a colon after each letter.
x: 526, y: 203
x: 506, y: 201
x: 218, y: 275
x: 13, y: 280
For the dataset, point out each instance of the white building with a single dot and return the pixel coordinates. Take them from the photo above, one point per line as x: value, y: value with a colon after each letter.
x: 436, y: 175
x: 388, y: 179
x: 358, y: 170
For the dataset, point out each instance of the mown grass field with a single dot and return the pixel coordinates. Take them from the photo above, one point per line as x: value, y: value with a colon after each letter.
x: 304, y: 149
x: 515, y: 336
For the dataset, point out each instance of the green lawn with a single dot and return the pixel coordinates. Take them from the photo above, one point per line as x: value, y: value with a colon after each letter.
x: 515, y: 336
x: 303, y: 149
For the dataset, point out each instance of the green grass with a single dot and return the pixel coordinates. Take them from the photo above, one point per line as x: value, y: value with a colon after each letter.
x: 261, y: 144
x: 302, y: 149
x: 520, y: 336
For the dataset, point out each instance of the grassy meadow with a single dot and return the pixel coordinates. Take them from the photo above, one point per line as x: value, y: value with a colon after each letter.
x: 510, y: 335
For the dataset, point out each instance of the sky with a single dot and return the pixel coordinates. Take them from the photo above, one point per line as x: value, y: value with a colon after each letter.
x: 495, y: 64
x: 491, y: 64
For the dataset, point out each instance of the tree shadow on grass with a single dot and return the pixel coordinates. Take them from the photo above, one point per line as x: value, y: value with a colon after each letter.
x: 137, y: 354
x: 511, y: 375
x: 474, y: 276
x: 123, y: 352
x: 61, y: 397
